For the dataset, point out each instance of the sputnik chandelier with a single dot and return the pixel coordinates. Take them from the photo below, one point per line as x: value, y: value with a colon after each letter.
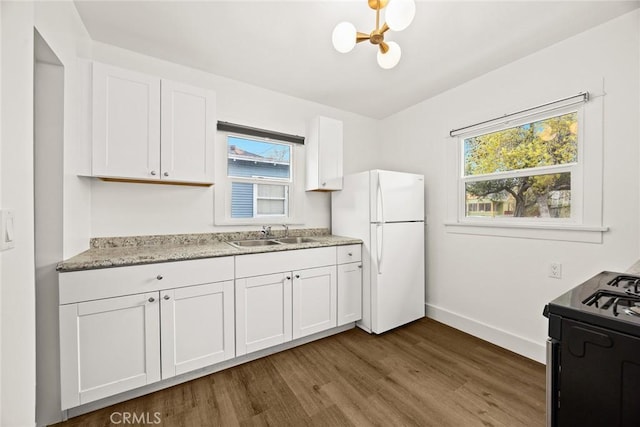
x: 398, y: 16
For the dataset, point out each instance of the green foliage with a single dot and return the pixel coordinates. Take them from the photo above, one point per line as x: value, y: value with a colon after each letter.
x: 544, y: 143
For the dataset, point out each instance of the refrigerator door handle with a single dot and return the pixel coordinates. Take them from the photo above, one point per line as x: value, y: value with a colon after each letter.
x: 380, y: 246
x: 380, y: 199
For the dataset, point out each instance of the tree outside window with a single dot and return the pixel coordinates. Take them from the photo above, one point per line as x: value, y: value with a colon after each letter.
x: 522, y: 171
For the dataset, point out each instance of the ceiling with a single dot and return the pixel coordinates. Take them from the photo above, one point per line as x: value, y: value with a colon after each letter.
x: 286, y: 46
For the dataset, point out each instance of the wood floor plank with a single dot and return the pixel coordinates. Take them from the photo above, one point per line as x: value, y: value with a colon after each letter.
x: 421, y: 374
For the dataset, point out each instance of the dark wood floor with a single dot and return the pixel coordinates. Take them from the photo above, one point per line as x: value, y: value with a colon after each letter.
x: 422, y: 374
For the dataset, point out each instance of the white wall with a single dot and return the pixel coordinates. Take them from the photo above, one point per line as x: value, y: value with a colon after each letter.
x: 1, y: 139
x: 120, y: 209
x: 17, y: 312
x: 496, y: 287
x: 61, y: 27
x: 48, y: 173
x: 63, y: 201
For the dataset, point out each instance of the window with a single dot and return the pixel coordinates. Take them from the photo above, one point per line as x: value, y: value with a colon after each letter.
x: 260, y: 176
x: 535, y: 174
x: 256, y: 180
x: 523, y: 171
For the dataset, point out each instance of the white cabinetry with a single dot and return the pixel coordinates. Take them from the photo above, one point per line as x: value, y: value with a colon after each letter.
x: 324, y: 154
x: 174, y: 318
x: 125, y: 327
x: 281, y: 296
x: 148, y: 128
x: 197, y: 327
x: 314, y: 300
x: 108, y: 346
x: 263, y: 312
x: 349, y: 284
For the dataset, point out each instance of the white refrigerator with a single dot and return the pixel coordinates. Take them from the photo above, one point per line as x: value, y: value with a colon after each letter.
x: 386, y: 210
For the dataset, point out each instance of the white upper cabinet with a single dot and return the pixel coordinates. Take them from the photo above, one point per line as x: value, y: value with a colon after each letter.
x: 147, y: 128
x: 126, y: 123
x: 187, y: 133
x: 324, y: 155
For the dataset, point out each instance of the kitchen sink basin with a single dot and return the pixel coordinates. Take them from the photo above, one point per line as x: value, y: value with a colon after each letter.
x: 253, y: 243
x: 296, y: 240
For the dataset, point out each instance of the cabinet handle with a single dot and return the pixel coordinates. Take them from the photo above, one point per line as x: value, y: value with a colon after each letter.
x: 288, y: 277
x: 297, y: 276
x: 166, y: 174
x: 159, y: 277
x: 166, y: 297
x: 350, y: 254
x: 324, y: 184
x: 360, y: 266
x: 152, y: 299
x: 153, y: 173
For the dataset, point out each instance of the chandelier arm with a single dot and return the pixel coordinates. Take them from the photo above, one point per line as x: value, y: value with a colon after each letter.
x: 378, y: 15
x: 384, y: 48
x: 384, y: 28
x: 360, y: 37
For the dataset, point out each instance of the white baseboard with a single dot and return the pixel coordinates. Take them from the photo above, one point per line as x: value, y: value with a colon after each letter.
x: 523, y: 346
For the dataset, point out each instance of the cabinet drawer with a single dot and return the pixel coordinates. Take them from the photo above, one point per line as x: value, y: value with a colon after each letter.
x: 349, y: 253
x: 277, y: 262
x: 88, y: 285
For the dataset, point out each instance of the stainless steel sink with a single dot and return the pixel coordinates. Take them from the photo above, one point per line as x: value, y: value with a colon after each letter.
x: 253, y: 243
x: 296, y: 240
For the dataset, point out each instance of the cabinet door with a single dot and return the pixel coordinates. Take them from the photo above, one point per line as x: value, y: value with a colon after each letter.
x: 314, y: 300
x: 263, y: 312
x: 324, y: 155
x: 197, y: 327
x: 108, y: 346
x: 126, y: 123
x: 330, y: 154
x: 349, y: 292
x: 187, y: 133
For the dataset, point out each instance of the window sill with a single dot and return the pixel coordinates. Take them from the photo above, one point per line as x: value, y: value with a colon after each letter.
x: 567, y: 233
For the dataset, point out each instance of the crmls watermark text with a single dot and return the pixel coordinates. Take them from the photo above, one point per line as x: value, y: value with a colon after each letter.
x: 143, y: 418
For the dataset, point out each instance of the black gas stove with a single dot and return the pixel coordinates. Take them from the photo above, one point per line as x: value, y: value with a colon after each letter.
x: 593, y: 353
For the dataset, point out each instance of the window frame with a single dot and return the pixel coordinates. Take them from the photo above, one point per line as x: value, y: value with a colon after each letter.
x: 256, y: 198
x: 574, y: 168
x: 587, y: 209
x: 223, y: 185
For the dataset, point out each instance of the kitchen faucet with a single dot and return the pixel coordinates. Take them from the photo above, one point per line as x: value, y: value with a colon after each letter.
x: 286, y: 230
x: 266, y: 231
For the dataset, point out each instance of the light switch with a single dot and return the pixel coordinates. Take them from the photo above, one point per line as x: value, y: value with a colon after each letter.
x: 7, y: 229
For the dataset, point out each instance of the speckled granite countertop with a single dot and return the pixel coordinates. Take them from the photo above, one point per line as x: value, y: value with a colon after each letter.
x: 108, y: 252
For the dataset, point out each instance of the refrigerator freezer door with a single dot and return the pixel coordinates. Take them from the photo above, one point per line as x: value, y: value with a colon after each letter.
x: 397, y: 274
x: 396, y: 196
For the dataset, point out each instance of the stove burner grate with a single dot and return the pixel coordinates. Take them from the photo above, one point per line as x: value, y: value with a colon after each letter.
x: 629, y: 301
x: 630, y: 280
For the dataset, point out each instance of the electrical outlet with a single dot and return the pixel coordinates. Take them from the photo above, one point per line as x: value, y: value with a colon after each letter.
x: 555, y: 270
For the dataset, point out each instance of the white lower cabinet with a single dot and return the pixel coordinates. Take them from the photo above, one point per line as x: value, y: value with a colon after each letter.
x: 126, y: 327
x: 314, y: 300
x: 282, y: 296
x: 349, y: 292
x: 349, y: 283
x: 275, y: 308
x: 111, y: 343
x: 197, y: 327
x: 108, y: 346
x: 263, y: 312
